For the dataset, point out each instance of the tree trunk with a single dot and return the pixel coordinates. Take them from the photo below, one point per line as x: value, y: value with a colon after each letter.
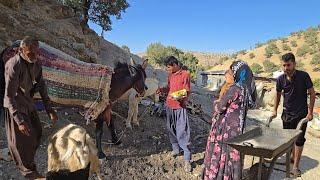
x: 85, y: 12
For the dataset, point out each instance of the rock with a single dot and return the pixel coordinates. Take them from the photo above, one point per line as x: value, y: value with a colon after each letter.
x: 4, y: 154
x: 80, y: 47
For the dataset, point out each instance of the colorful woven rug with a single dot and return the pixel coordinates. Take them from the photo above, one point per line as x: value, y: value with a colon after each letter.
x: 72, y: 82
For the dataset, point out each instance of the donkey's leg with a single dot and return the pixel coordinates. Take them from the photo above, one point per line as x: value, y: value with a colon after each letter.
x: 135, y: 112
x: 99, y: 133
x: 130, y: 114
x: 113, y: 133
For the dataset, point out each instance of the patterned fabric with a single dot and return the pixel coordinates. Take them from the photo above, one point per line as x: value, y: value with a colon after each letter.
x: 71, y: 81
x: 222, y: 161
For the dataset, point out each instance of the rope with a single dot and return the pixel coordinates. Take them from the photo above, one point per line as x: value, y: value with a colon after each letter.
x: 95, y: 102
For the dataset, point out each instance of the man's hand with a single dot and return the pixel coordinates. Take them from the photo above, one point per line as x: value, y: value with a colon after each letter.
x: 158, y: 91
x: 310, y: 116
x: 24, y: 128
x: 273, y: 115
x: 53, y: 116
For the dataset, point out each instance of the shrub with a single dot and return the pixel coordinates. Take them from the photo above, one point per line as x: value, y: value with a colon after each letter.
x: 258, y: 45
x: 316, y: 83
x: 243, y: 52
x: 284, y: 40
x: 256, y: 68
x: 269, y: 66
x: 285, y: 47
x: 311, y: 36
x: 271, y: 49
x: 315, y: 59
x: 300, y: 65
x: 234, y: 56
x: 294, y: 43
x: 251, y: 55
x: 303, y: 50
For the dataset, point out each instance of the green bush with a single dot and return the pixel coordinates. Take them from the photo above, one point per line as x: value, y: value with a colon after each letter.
x: 251, y: 55
x: 243, y: 52
x: 294, y: 43
x: 271, y: 49
x: 311, y: 36
x: 234, y: 56
x: 126, y: 48
x: 316, y: 83
x: 284, y: 40
x: 256, y: 68
x: 269, y: 66
x: 258, y: 45
x: 303, y: 50
x: 271, y: 41
x: 315, y: 59
x: 285, y: 47
x: 300, y: 65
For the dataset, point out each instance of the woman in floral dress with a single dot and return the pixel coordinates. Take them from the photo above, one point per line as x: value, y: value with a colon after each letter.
x: 221, y: 161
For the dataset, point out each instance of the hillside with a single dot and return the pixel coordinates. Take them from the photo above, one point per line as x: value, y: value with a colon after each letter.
x: 209, y: 59
x: 57, y: 26
x: 304, y: 44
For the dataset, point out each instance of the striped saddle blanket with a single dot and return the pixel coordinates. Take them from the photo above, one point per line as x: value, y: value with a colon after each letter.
x: 70, y: 81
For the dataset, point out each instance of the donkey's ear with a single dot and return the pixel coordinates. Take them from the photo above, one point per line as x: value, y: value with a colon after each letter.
x: 132, y: 62
x: 145, y: 64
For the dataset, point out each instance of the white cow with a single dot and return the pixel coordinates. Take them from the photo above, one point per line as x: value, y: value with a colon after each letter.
x: 134, y: 100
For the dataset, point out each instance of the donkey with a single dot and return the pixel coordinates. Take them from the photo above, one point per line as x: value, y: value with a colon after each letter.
x: 124, y: 78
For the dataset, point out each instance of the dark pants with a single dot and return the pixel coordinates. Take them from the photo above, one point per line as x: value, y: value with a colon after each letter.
x: 291, y: 122
x: 179, y: 131
x: 23, y: 148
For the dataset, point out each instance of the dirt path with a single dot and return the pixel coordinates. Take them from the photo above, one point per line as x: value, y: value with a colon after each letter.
x: 144, y: 152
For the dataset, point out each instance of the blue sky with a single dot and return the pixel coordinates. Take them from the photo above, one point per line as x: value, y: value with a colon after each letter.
x: 210, y: 25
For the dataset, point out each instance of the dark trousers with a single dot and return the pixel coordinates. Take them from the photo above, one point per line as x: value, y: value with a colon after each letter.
x: 23, y: 148
x: 290, y: 121
x: 179, y: 131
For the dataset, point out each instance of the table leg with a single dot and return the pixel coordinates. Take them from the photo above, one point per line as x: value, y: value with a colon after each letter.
x: 288, y: 162
x: 260, y: 168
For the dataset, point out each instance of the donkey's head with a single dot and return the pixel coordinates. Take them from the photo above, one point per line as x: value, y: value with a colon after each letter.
x: 128, y: 76
x: 138, y: 73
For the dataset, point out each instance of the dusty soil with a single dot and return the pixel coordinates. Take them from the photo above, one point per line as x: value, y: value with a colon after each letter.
x: 145, y: 150
x: 143, y: 154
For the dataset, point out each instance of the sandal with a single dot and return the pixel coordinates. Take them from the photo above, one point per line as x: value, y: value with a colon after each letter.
x: 296, y: 172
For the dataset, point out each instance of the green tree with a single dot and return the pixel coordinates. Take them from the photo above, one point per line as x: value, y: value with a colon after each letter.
x: 258, y: 45
x: 293, y: 43
x: 156, y: 53
x: 256, y: 68
x: 316, y: 83
x: 251, y: 55
x: 97, y: 11
x: 311, y: 36
x: 303, y: 50
x: 126, y: 48
x: 315, y: 59
x: 271, y: 49
x: 285, y: 47
x: 300, y: 65
x: 284, y: 40
x: 243, y: 52
x: 269, y: 66
x: 234, y: 56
